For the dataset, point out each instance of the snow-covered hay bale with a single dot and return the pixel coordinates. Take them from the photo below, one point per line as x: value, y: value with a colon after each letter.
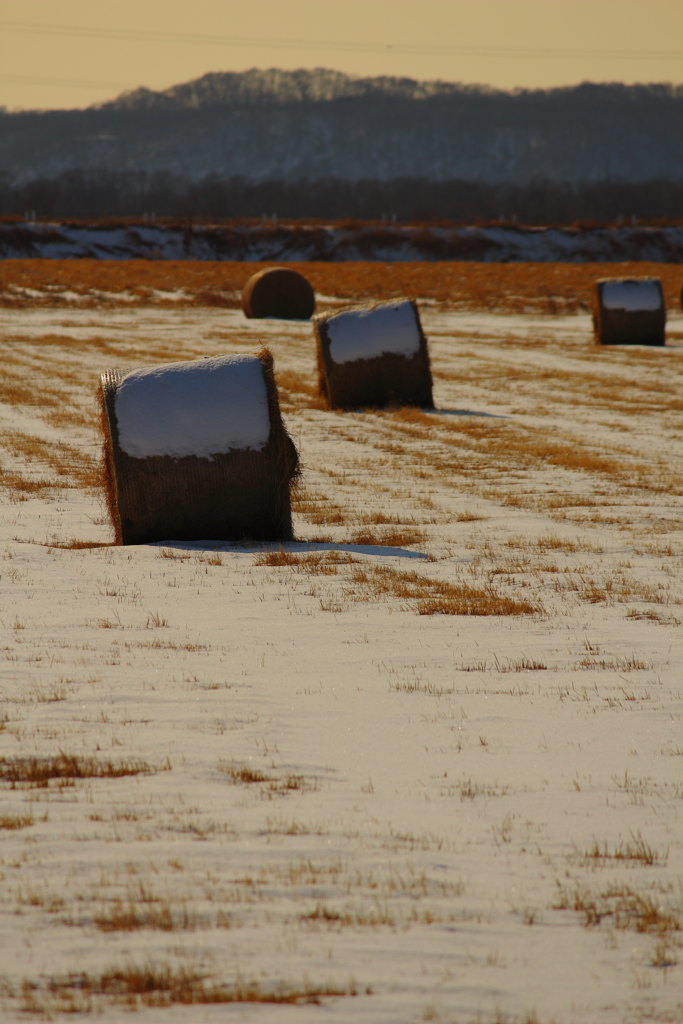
x: 280, y: 293
x: 629, y: 311
x: 373, y: 355
x: 197, y: 450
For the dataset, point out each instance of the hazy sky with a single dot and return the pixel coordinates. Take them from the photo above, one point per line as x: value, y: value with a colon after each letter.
x: 71, y: 53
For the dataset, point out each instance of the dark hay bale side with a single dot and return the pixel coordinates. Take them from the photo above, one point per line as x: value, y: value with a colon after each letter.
x: 373, y: 380
x: 629, y: 311
x: 278, y: 292
x: 238, y: 494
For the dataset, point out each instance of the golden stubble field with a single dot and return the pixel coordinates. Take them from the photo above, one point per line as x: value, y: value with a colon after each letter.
x: 505, y: 287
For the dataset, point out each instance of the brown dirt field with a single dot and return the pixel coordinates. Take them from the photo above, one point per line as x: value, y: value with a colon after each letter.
x: 507, y: 287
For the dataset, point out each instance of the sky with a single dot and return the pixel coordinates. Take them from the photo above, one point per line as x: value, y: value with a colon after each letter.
x: 75, y: 53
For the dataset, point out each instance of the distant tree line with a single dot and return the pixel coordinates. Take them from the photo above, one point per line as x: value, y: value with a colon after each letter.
x: 97, y: 194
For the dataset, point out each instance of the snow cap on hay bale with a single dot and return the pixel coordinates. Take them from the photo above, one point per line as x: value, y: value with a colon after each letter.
x: 629, y: 311
x: 278, y: 292
x: 197, y: 450
x: 373, y: 355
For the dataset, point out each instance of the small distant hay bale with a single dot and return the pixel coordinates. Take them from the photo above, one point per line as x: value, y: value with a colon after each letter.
x: 280, y: 293
x: 629, y: 311
x: 197, y: 451
x: 373, y: 356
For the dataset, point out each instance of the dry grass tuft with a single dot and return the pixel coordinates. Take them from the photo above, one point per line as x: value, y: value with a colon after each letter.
x: 468, y: 789
x: 376, y: 915
x: 434, y: 597
x: 398, y: 537
x: 551, y: 542
x: 310, y: 564
x: 623, y: 907
x: 278, y: 558
x: 466, y: 600
x: 135, y: 987
x: 635, y: 850
x: 271, y: 783
x: 128, y: 917
x: 14, y: 822
x: 40, y: 771
x: 244, y: 774
x: 78, y: 545
x: 627, y: 663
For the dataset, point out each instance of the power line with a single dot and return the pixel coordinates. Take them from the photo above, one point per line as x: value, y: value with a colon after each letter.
x: 201, y: 39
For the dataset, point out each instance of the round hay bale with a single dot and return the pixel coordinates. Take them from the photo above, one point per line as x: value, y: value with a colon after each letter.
x: 373, y: 356
x: 197, y: 451
x: 280, y: 293
x: 629, y: 311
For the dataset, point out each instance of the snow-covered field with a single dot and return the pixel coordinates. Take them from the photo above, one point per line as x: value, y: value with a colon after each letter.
x: 423, y: 764
x: 296, y: 241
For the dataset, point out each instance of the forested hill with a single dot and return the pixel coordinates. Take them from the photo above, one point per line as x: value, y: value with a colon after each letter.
x: 273, y: 86
x: 314, y: 125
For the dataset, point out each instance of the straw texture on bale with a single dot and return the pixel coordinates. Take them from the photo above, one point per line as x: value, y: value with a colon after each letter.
x: 626, y: 321
x: 280, y: 293
x: 236, y: 495
x: 389, y: 379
